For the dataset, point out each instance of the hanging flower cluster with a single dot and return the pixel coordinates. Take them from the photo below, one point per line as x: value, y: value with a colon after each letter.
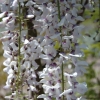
x: 57, y: 27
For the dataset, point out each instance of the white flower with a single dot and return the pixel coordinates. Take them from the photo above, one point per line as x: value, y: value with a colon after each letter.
x: 75, y: 55
x: 14, y: 65
x: 49, y: 51
x: 63, y: 55
x: 81, y: 88
x: 46, y: 41
x: 68, y: 37
x: 52, y: 90
x: 7, y: 54
x: 42, y: 1
x: 71, y: 78
x: 45, y: 97
x: 81, y: 98
x: 5, y: 7
x: 79, y: 28
x: 2, y: 14
x: 61, y: 23
x: 26, y: 65
x: 14, y: 4
x: 6, y: 69
x: 80, y: 70
x: 32, y: 88
x: 74, y: 12
x: 7, y: 97
x: 7, y: 62
x: 14, y: 46
x: 8, y: 82
x: 10, y: 25
x: 30, y: 16
x: 69, y: 94
x: 30, y: 3
x: 79, y: 18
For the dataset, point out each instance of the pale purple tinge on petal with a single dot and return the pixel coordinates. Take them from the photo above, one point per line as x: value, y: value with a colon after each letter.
x: 1, y: 1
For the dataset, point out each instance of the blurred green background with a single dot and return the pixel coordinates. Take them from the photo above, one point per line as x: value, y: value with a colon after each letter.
x: 92, y: 55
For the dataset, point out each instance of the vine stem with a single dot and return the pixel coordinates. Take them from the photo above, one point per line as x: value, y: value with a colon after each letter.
x: 19, y: 55
x: 62, y: 67
x: 59, y: 17
x: 62, y: 78
x: 19, y: 40
x: 99, y: 14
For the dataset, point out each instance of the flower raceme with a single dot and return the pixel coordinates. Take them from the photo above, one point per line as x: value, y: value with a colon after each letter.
x: 56, y: 43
